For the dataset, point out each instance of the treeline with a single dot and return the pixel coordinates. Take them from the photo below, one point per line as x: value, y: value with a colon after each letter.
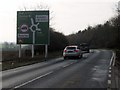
x: 58, y: 41
x: 9, y: 46
x: 105, y: 35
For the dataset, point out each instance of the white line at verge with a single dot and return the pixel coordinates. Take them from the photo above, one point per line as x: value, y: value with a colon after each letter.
x: 33, y: 79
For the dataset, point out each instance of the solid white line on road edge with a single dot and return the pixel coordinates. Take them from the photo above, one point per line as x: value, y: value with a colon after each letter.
x: 33, y: 79
x: 112, y: 61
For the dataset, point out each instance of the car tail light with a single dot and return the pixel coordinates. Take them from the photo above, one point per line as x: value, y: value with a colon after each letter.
x: 64, y: 50
x: 76, y: 50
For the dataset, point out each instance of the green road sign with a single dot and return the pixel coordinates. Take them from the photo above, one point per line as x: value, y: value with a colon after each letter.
x: 29, y: 22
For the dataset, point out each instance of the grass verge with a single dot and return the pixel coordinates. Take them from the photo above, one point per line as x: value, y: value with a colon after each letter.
x: 11, y: 60
x: 117, y: 62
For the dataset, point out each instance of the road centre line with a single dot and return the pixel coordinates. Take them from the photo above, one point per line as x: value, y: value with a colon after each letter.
x: 67, y: 65
x: 39, y: 77
x: 33, y: 80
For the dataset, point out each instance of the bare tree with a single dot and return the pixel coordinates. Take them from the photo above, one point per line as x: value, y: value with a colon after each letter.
x: 40, y: 7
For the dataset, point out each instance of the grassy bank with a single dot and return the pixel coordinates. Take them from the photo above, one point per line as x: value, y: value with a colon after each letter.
x: 117, y: 63
x: 11, y: 60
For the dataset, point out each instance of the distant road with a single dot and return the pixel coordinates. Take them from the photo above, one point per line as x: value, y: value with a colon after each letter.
x: 89, y: 72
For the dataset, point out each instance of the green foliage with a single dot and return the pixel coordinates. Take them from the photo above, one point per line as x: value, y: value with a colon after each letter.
x: 57, y: 41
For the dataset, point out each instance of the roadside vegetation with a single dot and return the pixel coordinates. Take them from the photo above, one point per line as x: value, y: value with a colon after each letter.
x: 117, y: 62
x: 105, y: 35
x: 10, y: 54
x: 10, y: 62
x: 10, y: 50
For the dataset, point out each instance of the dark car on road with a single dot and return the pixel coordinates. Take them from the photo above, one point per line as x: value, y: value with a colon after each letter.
x: 85, y: 47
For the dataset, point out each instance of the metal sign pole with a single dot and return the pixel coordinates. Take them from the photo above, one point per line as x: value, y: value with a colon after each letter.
x: 20, y: 51
x: 46, y: 51
x: 33, y: 44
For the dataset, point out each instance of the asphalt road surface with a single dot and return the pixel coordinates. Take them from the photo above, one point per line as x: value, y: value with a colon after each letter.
x: 91, y: 71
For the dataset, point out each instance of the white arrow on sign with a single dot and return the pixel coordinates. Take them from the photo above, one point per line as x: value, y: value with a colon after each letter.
x: 34, y: 26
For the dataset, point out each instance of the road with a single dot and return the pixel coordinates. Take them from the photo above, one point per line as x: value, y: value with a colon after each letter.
x: 91, y: 71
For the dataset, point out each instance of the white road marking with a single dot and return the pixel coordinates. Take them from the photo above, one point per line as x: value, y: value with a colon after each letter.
x: 109, y: 68
x: 109, y: 71
x: 112, y: 61
x: 109, y: 81
x: 109, y: 75
x: 34, y: 79
x: 67, y: 65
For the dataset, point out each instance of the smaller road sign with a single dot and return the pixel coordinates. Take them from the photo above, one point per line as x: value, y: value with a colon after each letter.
x: 24, y: 28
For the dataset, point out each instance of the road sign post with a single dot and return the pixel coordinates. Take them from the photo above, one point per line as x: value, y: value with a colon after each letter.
x: 33, y: 44
x: 46, y: 51
x: 20, y: 51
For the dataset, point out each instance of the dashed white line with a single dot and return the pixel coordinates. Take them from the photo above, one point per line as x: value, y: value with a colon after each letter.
x: 109, y: 71
x: 34, y: 79
x: 71, y: 63
x: 109, y: 82
x: 67, y: 65
x: 39, y: 77
x: 109, y: 75
x: 109, y: 68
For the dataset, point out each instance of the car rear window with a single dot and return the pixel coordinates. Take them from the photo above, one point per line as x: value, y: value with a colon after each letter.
x: 71, y: 48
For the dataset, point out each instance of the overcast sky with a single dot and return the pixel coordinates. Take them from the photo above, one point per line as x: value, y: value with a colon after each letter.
x: 69, y: 16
